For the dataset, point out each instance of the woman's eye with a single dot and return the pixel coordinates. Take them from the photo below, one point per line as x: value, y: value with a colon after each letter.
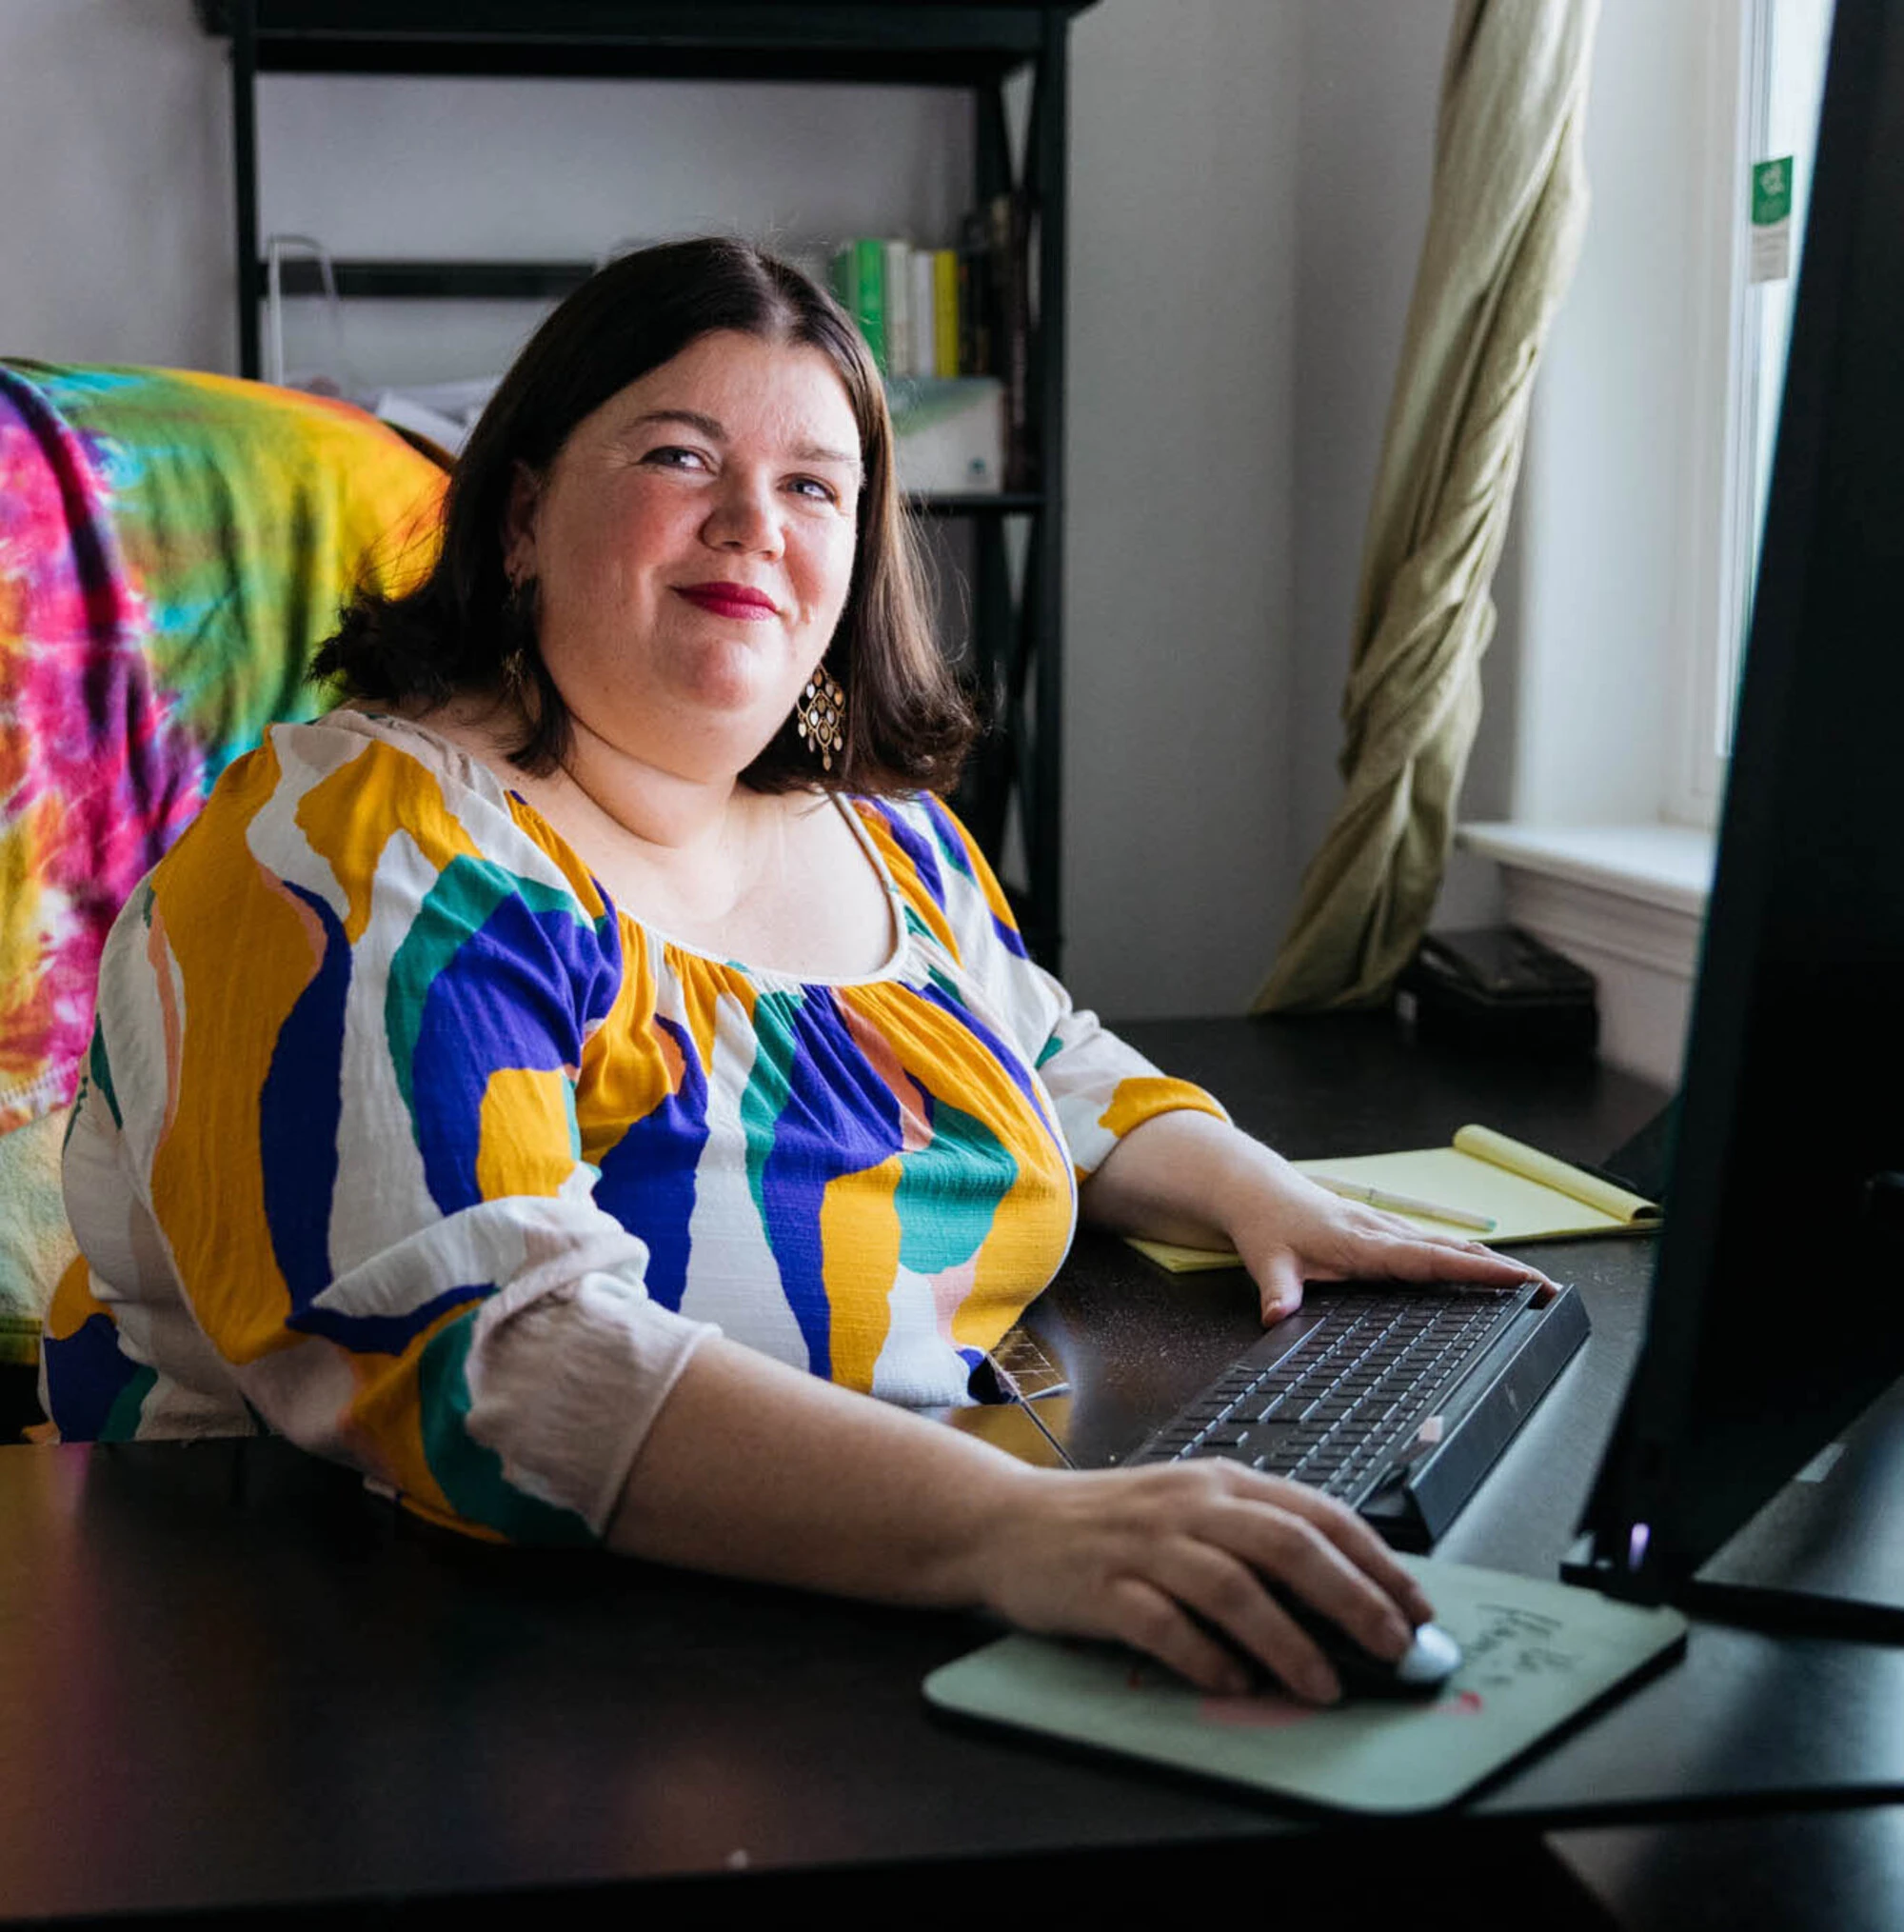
x: 672, y: 456
x: 814, y: 490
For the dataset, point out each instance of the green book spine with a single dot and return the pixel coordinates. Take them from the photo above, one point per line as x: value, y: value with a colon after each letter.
x: 869, y: 309
x: 844, y: 274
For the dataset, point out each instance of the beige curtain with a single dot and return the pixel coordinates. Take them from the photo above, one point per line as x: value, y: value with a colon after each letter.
x: 1509, y: 205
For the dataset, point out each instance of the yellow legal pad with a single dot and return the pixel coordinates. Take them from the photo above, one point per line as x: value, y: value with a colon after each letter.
x: 1528, y: 1195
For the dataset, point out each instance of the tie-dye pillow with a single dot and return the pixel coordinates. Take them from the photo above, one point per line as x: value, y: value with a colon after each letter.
x: 172, y: 546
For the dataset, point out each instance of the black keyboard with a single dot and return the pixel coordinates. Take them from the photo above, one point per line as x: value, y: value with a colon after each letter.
x: 1396, y: 1402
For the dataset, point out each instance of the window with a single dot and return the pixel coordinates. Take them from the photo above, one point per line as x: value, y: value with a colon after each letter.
x: 1626, y: 593
x: 1780, y: 64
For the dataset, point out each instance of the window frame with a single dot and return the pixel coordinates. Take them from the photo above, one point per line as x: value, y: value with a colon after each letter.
x: 1739, y: 418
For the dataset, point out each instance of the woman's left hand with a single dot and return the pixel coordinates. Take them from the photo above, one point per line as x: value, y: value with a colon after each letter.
x: 1288, y: 1230
x: 1191, y: 1178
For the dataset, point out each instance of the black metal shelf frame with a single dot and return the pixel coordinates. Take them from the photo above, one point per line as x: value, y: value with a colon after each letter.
x: 1015, y: 775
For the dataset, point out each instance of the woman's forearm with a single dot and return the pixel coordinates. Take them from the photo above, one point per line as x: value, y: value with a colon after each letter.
x: 755, y: 1469
x: 1183, y: 1177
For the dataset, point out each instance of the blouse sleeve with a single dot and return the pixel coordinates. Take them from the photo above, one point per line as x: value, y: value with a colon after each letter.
x: 344, y: 1033
x: 1101, y: 1086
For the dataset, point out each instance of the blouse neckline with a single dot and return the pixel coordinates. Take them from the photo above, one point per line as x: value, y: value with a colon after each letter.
x: 474, y: 775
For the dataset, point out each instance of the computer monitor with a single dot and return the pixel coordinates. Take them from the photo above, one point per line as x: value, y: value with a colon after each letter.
x: 1776, y: 1314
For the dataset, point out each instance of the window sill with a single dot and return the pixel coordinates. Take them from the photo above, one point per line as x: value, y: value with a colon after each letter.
x: 1628, y: 903
x: 1657, y: 865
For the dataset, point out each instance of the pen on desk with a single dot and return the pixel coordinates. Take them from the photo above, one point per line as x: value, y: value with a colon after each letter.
x: 1403, y: 1203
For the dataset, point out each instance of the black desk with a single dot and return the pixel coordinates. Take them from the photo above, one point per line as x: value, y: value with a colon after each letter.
x: 226, y: 1678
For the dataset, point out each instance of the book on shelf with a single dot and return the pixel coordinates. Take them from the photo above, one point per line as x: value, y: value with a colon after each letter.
x: 898, y: 359
x: 952, y: 316
x: 941, y: 311
x: 948, y: 434
x: 975, y: 334
x: 859, y: 277
x: 1009, y: 220
x: 995, y: 296
x: 924, y: 360
x: 945, y: 312
x: 905, y: 299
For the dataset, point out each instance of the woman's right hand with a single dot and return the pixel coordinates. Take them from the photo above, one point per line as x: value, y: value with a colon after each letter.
x: 757, y: 1469
x: 1180, y: 1561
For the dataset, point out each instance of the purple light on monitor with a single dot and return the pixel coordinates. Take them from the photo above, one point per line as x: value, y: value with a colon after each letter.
x: 1638, y: 1539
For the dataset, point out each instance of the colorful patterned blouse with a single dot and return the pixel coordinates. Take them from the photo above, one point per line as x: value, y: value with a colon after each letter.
x: 397, y: 1137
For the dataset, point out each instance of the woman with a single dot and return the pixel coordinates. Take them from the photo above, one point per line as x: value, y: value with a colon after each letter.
x: 566, y: 1081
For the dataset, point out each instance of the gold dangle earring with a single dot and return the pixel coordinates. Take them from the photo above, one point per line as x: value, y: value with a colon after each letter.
x: 820, y: 716
x: 519, y: 615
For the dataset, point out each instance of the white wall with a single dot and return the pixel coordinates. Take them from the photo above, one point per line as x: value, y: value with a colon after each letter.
x: 1368, y: 93
x: 1249, y: 188
x: 1181, y: 472
x: 1371, y: 74
x: 116, y: 223
x: 569, y: 169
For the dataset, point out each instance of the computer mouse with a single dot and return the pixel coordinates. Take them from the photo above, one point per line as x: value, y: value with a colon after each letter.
x: 1418, y: 1672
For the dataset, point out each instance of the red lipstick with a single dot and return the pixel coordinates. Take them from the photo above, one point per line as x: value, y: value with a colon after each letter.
x: 729, y: 600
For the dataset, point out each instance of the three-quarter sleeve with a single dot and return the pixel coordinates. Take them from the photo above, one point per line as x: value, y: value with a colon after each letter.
x: 339, y: 1042
x: 1101, y: 1085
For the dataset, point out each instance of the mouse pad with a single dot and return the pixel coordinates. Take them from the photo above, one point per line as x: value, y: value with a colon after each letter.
x: 1535, y: 1655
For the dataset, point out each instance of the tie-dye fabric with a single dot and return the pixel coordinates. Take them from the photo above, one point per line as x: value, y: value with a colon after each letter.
x: 397, y: 1136
x: 172, y: 546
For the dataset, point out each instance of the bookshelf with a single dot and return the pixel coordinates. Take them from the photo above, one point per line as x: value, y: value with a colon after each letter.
x: 1011, y: 794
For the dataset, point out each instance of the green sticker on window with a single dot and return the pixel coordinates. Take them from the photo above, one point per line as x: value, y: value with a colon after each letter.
x: 1772, y: 192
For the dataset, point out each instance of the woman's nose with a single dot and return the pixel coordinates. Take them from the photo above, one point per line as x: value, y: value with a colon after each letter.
x: 743, y: 516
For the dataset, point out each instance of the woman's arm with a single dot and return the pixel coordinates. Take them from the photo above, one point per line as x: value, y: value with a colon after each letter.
x: 755, y: 1469
x: 1157, y: 1156
x: 1191, y: 1178
x: 340, y: 1037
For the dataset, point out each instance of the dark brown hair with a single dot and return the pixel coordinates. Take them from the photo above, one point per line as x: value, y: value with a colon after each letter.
x: 907, y: 726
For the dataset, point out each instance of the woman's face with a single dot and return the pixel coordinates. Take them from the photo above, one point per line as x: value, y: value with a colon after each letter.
x: 692, y: 546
